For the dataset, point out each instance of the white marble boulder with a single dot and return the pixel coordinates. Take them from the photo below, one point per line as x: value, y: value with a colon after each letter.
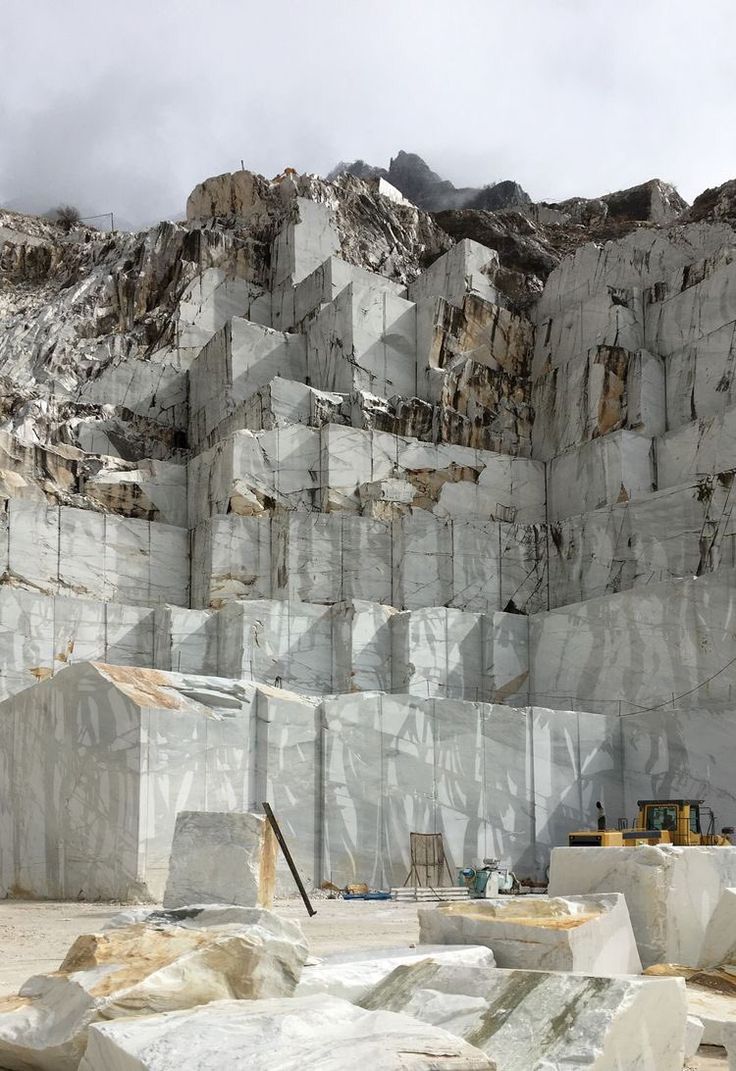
x: 719, y: 941
x: 584, y: 933
x: 729, y: 1043
x: 671, y: 892
x: 146, y: 967
x: 221, y: 858
x: 537, y: 1021
x: 694, y: 1031
x: 303, y: 1032
x: 351, y: 975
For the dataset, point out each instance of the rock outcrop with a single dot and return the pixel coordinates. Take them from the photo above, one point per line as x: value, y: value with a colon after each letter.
x: 423, y: 187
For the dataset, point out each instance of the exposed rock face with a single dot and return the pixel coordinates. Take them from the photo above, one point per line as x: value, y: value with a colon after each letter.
x: 715, y: 204
x: 310, y: 478
x: 373, y: 232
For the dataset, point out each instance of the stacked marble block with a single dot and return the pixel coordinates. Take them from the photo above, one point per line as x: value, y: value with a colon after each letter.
x: 319, y: 531
x: 634, y: 416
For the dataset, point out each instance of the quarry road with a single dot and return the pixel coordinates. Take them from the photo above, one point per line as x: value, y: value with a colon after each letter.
x: 36, y: 935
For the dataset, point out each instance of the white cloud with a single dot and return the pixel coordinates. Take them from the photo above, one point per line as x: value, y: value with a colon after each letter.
x: 127, y: 107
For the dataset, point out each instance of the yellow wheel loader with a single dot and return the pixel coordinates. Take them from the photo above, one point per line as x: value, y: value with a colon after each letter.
x: 658, y: 822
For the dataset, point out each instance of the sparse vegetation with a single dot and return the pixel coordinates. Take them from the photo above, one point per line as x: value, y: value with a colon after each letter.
x: 67, y: 216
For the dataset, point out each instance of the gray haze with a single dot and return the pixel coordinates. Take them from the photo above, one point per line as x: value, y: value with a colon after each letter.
x: 125, y: 107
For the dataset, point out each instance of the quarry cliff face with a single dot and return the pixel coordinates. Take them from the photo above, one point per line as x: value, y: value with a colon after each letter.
x: 471, y: 467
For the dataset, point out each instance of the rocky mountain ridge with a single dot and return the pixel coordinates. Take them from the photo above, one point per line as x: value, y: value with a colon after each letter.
x: 413, y: 177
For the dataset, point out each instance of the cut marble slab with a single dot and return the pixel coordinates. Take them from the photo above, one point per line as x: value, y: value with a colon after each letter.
x: 537, y: 1020
x: 590, y: 934
x: 351, y: 975
x: 217, y: 857
x: 672, y: 893
x: 305, y: 1032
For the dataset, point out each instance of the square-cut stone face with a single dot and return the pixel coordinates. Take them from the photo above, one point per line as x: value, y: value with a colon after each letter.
x: 221, y: 858
x: 669, y: 927
x: 253, y: 1033
x: 524, y: 1019
x: 579, y: 933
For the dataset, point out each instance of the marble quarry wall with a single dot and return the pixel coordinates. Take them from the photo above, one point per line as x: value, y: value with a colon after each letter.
x: 354, y: 531
x: 348, y: 776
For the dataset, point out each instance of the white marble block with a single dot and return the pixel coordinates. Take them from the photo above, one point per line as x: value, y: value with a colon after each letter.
x: 305, y: 241
x: 149, y: 965
x: 672, y: 893
x: 699, y: 448
x: 310, y: 1032
x: 138, y: 745
x: 626, y: 651
x: 464, y: 269
x: 221, y: 858
x: 678, y: 532
x: 588, y: 934
x: 364, y: 339
x: 212, y: 299
x: 351, y: 975
x: 719, y: 941
x: 538, y: 1020
x: 322, y: 286
x: 614, y: 468
x: 277, y: 642
x: 438, y: 651
x: 237, y: 360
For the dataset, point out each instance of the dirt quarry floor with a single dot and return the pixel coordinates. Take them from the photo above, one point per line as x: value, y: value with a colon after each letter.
x: 35, y: 936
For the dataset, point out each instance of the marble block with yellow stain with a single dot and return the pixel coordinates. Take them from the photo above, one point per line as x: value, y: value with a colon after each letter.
x: 221, y: 858
x: 162, y: 963
x: 580, y: 933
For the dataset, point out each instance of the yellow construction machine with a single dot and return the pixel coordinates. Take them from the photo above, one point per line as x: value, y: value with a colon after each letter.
x: 658, y: 822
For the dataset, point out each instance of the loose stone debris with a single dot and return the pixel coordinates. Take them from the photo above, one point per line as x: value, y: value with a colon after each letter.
x: 158, y: 963
x: 403, y: 522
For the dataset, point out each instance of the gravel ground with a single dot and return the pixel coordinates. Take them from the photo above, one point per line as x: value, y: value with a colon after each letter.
x: 35, y: 936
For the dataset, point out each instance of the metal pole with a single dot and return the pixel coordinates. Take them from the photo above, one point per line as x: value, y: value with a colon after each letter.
x: 287, y: 856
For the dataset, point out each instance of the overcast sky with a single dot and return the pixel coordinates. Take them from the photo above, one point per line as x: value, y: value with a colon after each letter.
x: 126, y: 106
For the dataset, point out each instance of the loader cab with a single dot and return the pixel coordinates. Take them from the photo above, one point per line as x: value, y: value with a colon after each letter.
x: 678, y: 821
